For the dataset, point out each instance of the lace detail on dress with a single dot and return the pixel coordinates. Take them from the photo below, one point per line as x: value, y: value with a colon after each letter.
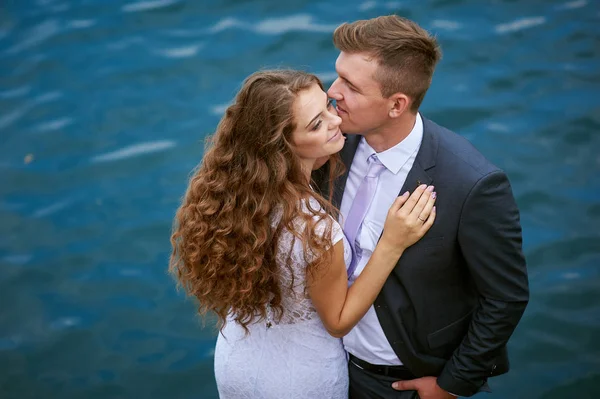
x: 295, y: 300
x: 269, y: 318
x: 294, y: 358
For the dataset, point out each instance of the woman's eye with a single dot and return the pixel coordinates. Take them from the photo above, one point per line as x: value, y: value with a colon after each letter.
x: 316, y: 126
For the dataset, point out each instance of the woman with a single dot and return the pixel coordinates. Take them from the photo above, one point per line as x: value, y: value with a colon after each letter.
x: 258, y: 247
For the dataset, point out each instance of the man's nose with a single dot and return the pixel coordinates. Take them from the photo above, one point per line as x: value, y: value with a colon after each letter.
x: 333, y: 91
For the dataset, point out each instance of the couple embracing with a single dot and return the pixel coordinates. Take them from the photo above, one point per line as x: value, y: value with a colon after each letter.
x: 354, y: 249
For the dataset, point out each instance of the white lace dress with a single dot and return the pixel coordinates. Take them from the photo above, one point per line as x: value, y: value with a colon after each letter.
x: 295, y: 358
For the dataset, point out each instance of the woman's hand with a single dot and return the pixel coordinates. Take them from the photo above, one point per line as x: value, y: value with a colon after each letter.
x: 409, y: 218
x: 341, y: 306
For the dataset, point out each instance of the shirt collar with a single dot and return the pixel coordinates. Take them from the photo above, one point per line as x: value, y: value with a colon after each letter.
x: 394, y: 158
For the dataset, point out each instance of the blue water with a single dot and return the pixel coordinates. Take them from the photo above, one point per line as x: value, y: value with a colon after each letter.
x: 104, y: 106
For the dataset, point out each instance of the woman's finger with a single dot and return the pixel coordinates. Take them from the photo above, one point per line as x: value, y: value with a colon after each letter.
x: 427, y: 208
x: 429, y: 222
x: 398, y: 202
x: 420, y: 205
x: 413, y: 199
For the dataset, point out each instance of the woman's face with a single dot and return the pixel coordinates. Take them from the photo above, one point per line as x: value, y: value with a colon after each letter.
x: 318, y: 131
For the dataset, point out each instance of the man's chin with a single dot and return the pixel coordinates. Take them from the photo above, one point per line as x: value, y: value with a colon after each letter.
x: 346, y: 129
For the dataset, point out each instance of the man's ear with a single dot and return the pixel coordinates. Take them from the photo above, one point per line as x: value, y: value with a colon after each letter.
x: 400, y: 103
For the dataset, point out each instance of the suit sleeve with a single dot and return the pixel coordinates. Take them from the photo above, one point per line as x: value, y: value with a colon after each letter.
x: 490, y: 239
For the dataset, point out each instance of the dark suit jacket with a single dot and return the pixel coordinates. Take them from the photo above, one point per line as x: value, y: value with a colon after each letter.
x: 456, y: 296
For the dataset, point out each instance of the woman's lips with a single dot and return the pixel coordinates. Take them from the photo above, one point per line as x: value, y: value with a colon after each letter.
x: 335, y: 136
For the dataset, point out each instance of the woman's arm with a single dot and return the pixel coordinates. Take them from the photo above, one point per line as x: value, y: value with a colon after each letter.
x: 340, y: 307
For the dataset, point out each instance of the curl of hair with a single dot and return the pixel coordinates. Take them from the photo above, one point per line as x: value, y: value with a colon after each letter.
x: 224, y: 241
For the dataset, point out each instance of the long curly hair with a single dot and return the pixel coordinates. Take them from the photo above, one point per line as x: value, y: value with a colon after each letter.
x: 248, y: 189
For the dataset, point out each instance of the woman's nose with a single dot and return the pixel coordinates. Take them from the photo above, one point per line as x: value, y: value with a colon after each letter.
x: 336, y: 120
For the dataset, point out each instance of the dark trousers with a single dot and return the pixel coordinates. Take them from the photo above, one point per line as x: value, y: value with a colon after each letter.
x: 367, y: 385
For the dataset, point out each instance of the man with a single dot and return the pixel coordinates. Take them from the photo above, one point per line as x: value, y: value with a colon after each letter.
x: 441, y: 323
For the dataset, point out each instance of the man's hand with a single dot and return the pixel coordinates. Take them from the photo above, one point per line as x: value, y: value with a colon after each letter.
x: 427, y: 388
x: 320, y: 162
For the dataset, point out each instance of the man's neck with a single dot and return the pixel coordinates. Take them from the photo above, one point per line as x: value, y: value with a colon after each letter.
x: 387, y: 136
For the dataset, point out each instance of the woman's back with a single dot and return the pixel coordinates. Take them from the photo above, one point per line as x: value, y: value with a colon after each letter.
x: 294, y: 357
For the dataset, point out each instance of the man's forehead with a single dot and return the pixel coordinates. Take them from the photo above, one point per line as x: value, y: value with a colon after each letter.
x: 366, y: 57
x: 357, y: 68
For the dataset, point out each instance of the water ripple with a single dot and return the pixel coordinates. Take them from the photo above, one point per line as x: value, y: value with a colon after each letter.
x: 61, y: 7
x: 367, y: 5
x: 180, y: 52
x: 53, y: 208
x: 55, y: 124
x: 520, y: 24
x: 275, y: 26
x: 65, y: 322
x: 125, y: 43
x: 48, y: 97
x: 134, y: 150
x: 17, y: 259
x: 149, y: 5
x: 446, y: 24
x: 37, y: 35
x: 302, y: 22
x: 225, y: 24
x: 571, y: 5
x: 81, y: 23
x: 14, y: 93
x: 9, y: 118
x: 219, y: 109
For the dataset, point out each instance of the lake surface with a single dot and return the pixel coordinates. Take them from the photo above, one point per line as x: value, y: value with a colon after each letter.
x: 104, y: 106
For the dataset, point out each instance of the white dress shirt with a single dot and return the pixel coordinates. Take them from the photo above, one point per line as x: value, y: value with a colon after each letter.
x: 367, y: 340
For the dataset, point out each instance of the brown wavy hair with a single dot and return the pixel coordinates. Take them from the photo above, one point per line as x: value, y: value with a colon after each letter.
x: 225, y: 233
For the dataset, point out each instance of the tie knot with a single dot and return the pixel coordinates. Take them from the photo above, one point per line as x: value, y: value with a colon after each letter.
x: 373, y: 158
x: 375, y: 166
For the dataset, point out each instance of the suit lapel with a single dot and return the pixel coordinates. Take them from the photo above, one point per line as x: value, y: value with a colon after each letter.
x: 415, y: 178
x: 422, y: 171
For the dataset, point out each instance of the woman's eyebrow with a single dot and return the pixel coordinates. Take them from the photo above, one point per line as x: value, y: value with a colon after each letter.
x: 319, y: 114
x: 313, y: 119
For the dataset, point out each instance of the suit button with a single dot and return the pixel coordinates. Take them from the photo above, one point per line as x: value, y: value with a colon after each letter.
x: 493, y: 369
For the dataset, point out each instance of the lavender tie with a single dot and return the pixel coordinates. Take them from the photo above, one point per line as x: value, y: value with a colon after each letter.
x: 360, y: 205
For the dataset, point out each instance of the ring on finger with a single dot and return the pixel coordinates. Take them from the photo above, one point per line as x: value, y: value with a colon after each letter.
x: 422, y: 220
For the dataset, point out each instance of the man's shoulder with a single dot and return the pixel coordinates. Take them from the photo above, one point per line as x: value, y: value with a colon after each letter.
x: 456, y: 153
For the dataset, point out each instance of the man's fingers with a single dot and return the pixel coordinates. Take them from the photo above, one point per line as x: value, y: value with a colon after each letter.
x: 406, y: 385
